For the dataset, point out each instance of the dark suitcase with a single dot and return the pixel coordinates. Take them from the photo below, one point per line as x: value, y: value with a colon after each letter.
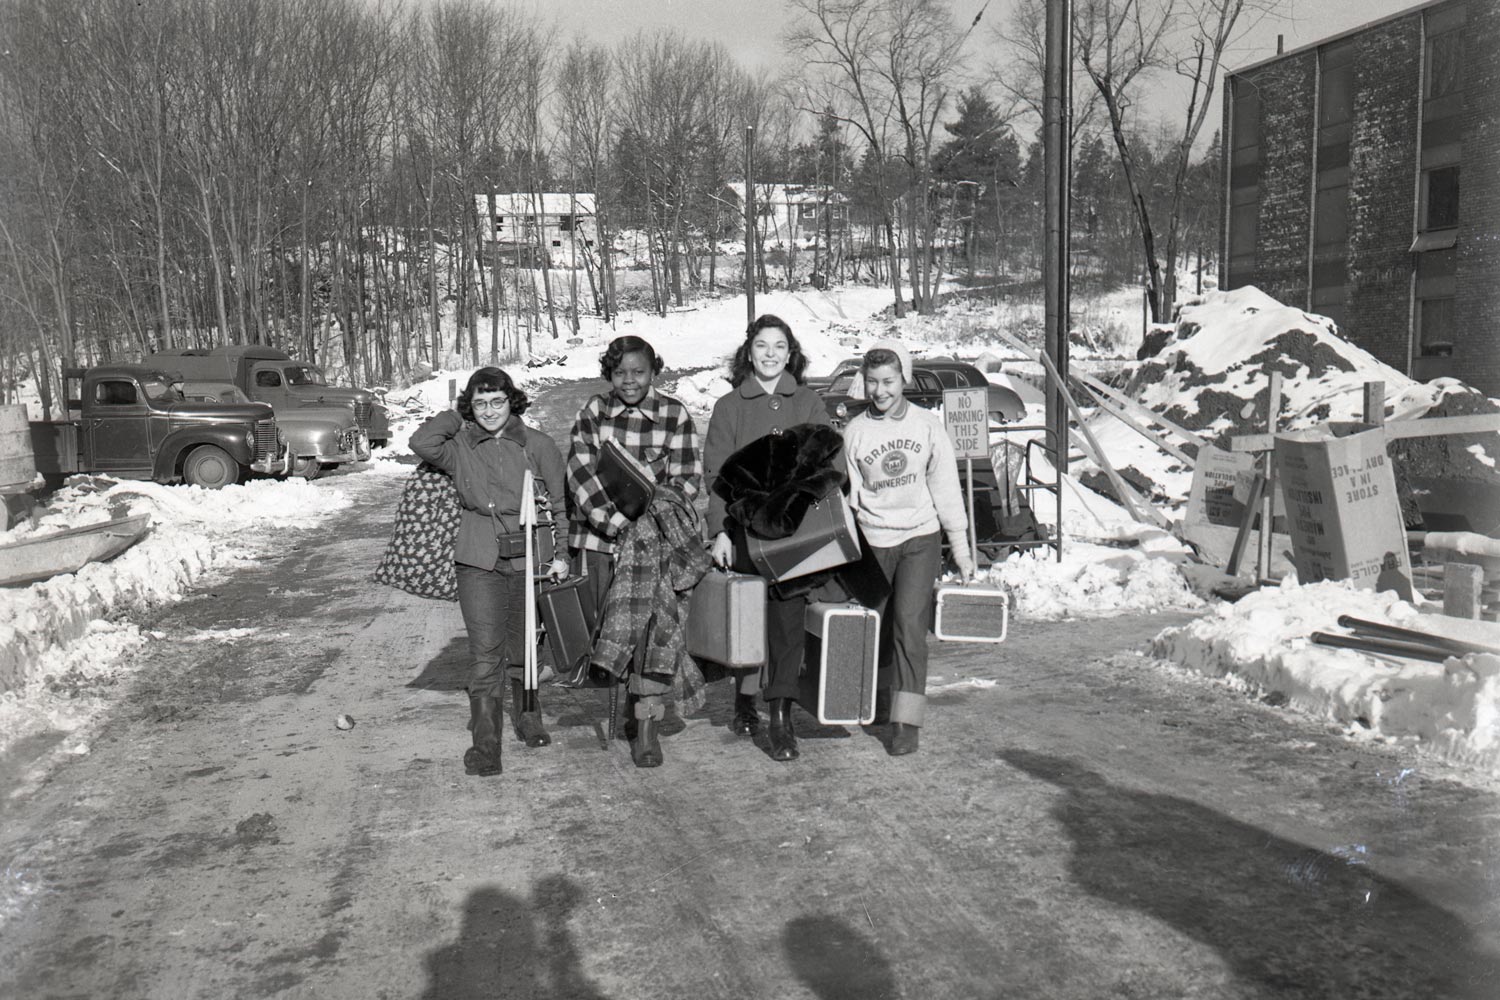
x: 571, y: 621
x: 727, y: 619
x: 626, y: 480
x: 826, y: 539
x: 843, y: 654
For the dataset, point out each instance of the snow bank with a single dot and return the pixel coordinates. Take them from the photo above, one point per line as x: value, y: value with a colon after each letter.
x: 1092, y: 581
x: 60, y: 640
x: 1262, y: 643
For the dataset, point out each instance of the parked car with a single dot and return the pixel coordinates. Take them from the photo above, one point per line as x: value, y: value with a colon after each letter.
x: 821, y: 382
x: 132, y: 422
x: 321, y: 438
x: 929, y: 379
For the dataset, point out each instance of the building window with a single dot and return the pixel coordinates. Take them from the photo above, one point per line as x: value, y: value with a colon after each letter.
x: 1435, y: 331
x: 557, y: 243
x: 1440, y: 198
x: 1444, y: 64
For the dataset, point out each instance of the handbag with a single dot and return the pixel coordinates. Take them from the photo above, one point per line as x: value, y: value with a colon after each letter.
x: 627, y: 482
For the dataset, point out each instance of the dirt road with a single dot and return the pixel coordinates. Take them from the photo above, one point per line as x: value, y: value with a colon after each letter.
x: 1078, y: 824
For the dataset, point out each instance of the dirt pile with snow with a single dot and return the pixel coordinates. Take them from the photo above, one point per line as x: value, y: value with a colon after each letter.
x: 1210, y: 374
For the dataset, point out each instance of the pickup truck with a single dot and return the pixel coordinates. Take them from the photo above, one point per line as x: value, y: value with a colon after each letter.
x: 321, y: 438
x: 268, y: 375
x: 132, y: 422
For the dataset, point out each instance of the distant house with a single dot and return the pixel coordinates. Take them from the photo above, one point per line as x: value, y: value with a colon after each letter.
x: 551, y: 221
x: 791, y: 213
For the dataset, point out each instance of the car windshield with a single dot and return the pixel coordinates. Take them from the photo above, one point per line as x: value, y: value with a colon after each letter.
x: 155, y: 389
x: 844, y: 385
x: 303, y: 375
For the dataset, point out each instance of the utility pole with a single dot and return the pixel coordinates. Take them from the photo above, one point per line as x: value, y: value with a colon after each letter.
x: 749, y: 226
x: 1056, y: 107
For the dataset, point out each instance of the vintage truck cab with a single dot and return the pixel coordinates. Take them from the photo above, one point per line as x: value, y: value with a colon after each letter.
x: 268, y: 375
x: 132, y: 422
x: 321, y: 438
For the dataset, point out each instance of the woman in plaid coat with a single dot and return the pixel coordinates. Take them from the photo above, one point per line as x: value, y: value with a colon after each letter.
x: 657, y: 430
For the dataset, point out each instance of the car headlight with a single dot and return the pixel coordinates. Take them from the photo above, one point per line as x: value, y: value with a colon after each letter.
x: 841, y: 411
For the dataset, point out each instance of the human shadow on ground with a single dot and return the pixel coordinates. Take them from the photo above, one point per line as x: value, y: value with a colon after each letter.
x: 835, y: 961
x: 1293, y: 920
x: 513, y: 947
x: 446, y: 671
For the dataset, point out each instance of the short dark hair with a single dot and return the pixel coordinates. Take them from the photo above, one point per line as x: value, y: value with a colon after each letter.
x: 740, y: 367
x: 877, y: 356
x: 621, y: 346
x: 491, y: 380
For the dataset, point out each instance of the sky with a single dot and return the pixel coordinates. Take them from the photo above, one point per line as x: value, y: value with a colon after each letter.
x: 752, y: 31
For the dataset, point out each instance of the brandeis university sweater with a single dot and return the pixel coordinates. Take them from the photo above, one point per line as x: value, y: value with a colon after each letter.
x: 903, y: 479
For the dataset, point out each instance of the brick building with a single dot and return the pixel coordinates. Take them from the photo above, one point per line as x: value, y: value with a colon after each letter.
x: 1343, y: 163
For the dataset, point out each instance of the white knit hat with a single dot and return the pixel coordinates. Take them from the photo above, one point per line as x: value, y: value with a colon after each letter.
x: 899, y: 349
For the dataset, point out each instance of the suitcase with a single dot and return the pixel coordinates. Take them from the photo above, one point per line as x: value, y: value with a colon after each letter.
x: 971, y: 614
x: 826, y: 539
x: 843, y: 654
x: 727, y: 619
x: 571, y: 621
x: 627, y: 482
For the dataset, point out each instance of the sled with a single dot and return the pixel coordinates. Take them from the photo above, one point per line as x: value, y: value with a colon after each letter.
x: 47, y: 554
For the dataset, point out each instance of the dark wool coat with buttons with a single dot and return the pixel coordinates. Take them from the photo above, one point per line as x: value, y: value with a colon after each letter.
x: 748, y: 413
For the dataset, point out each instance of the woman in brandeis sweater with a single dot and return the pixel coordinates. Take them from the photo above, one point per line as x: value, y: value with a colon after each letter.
x: 903, y: 487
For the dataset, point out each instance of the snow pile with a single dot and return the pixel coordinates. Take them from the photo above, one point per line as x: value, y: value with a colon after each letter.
x: 59, y: 637
x: 1091, y: 581
x: 1263, y: 643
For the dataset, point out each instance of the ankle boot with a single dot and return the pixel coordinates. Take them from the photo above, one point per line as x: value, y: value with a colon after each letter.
x: 645, y: 750
x: 746, y: 720
x: 528, y: 708
x: 783, y: 737
x: 483, y: 758
x: 904, y: 738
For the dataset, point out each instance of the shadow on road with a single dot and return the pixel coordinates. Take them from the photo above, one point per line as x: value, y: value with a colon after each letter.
x: 448, y: 670
x: 1296, y: 920
x: 513, y: 947
x: 835, y: 961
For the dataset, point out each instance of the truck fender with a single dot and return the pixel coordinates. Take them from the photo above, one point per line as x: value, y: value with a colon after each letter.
x: 230, y: 437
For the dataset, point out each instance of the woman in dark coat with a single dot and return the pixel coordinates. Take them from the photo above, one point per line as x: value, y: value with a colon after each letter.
x: 486, y: 448
x: 768, y: 398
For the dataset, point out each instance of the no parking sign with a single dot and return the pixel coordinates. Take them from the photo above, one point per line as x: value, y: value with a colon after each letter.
x: 966, y: 418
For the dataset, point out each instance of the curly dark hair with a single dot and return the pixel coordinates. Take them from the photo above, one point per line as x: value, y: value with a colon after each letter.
x: 621, y: 346
x: 491, y: 380
x: 740, y: 367
x: 878, y: 356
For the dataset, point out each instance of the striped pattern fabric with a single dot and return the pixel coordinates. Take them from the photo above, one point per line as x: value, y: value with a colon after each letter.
x: 659, y: 432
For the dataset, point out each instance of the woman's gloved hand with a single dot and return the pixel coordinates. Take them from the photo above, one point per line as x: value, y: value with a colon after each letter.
x: 558, y: 570
x: 722, y: 551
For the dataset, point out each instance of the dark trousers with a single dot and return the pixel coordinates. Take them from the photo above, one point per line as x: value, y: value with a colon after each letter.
x: 905, y: 616
x: 786, y: 647
x: 493, y: 603
x: 600, y: 568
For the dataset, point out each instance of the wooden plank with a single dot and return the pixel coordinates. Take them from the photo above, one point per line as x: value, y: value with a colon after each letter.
x: 1119, y: 414
x: 1474, y: 423
x: 1374, y: 403
x: 1247, y: 524
x: 1142, y: 410
x: 1268, y: 471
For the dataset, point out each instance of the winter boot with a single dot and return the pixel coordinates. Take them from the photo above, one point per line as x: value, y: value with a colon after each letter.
x: 783, y: 737
x: 483, y: 758
x: 746, y: 720
x: 904, y: 738
x: 528, y: 709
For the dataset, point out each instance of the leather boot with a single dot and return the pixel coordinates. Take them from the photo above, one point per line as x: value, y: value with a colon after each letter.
x: 746, y: 720
x: 645, y: 750
x: 783, y: 737
x: 483, y: 758
x: 904, y: 738
x: 630, y: 728
x: 528, y: 709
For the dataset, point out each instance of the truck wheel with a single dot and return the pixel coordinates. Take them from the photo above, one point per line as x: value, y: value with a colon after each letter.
x: 210, y: 467
x: 308, y: 468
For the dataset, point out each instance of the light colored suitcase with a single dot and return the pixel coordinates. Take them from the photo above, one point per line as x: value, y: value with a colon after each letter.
x: 971, y: 614
x: 727, y: 619
x: 843, y: 655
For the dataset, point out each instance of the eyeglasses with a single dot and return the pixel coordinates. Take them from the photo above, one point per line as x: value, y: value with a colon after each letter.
x: 491, y: 404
